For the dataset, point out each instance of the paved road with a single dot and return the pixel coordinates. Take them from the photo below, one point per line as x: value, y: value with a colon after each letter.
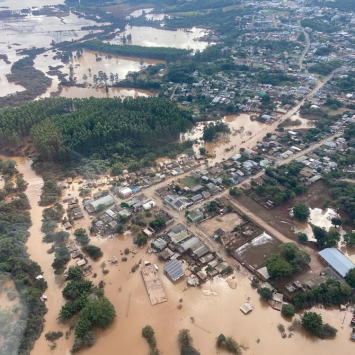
x: 305, y: 50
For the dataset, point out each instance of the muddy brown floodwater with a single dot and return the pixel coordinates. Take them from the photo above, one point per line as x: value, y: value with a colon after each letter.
x: 108, y: 64
x: 214, y: 314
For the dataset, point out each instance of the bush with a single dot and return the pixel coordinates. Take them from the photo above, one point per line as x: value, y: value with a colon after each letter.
x: 75, y: 273
x: 301, y: 211
x: 184, y: 337
x: 221, y: 340
x: 93, y: 251
x: 232, y: 346
x: 328, y: 331
x: 135, y: 228
x: 265, y: 293
x: 302, y: 238
x: 81, y: 236
x: 312, y: 322
x: 281, y: 328
x: 126, y: 251
x: 350, y: 278
x: 134, y: 267
x: 295, y: 326
x: 52, y: 336
x: 288, y: 310
x: 254, y: 282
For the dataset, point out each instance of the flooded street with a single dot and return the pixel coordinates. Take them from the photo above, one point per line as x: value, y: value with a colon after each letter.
x: 214, y: 314
x: 155, y: 37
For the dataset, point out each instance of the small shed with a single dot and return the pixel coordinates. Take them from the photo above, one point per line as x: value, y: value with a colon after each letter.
x: 246, y: 308
x: 81, y: 262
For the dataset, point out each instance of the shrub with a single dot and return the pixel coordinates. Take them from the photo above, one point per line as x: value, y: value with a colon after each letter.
x: 281, y: 328
x: 288, y: 310
x: 52, y: 336
x: 301, y: 211
x: 302, y: 237
x: 265, y: 293
x: 93, y: 251
x: 221, y: 340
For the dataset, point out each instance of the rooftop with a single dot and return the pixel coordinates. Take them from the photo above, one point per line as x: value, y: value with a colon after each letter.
x: 174, y: 269
x: 338, y: 261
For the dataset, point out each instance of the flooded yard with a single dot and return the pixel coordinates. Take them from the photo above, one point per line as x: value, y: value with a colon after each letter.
x: 318, y: 217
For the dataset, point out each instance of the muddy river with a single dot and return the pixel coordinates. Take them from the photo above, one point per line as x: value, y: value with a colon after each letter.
x: 214, y: 314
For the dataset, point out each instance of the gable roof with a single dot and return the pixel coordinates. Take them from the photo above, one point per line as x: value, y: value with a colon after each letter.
x: 338, y: 261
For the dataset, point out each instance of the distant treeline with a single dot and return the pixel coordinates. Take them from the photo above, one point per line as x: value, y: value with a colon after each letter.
x: 164, y: 53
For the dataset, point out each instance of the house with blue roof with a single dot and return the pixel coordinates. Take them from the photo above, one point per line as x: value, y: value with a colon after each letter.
x: 336, y: 260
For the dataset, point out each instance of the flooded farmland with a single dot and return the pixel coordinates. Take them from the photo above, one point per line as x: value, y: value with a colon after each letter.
x: 215, y: 311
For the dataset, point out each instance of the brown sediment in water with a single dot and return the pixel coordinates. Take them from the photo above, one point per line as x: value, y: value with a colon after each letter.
x: 214, y: 314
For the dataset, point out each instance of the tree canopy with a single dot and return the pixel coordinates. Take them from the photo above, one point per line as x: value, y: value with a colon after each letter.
x: 301, y: 211
x: 277, y: 266
x: 64, y: 129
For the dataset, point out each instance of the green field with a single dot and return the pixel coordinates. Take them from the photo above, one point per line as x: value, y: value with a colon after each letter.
x: 189, y: 181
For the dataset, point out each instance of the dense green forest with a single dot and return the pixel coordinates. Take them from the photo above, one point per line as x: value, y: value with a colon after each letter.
x: 18, y: 337
x: 164, y: 53
x: 68, y: 129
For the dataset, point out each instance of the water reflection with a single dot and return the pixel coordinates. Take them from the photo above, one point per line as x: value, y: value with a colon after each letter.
x: 73, y: 92
x: 154, y: 37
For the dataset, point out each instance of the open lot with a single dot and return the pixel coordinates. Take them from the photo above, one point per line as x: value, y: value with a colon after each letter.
x: 226, y: 222
x: 256, y: 252
x: 279, y: 217
x: 153, y: 284
x: 189, y: 181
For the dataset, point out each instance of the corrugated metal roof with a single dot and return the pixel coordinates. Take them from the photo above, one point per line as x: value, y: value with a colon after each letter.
x: 106, y: 200
x: 188, y: 244
x: 174, y: 269
x: 338, y: 261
